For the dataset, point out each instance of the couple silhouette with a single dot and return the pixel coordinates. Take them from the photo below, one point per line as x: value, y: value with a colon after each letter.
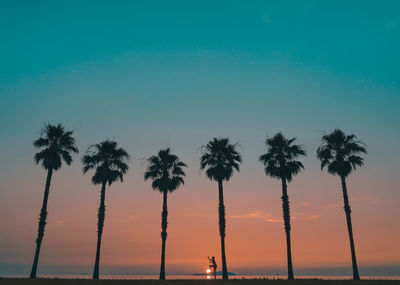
x: 213, y: 265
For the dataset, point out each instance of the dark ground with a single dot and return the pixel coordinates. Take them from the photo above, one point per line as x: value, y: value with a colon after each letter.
x: 26, y: 281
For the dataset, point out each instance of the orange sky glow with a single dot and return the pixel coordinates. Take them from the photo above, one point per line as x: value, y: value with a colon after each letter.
x: 255, y: 235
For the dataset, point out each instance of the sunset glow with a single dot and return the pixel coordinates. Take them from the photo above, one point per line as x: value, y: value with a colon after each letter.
x: 167, y: 74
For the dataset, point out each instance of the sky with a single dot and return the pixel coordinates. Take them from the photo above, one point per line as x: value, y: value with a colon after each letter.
x: 156, y: 74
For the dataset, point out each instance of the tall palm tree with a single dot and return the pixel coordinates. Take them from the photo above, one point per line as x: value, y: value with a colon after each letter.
x: 167, y: 174
x: 339, y: 153
x: 109, y: 164
x: 220, y: 158
x: 280, y: 162
x: 57, y: 145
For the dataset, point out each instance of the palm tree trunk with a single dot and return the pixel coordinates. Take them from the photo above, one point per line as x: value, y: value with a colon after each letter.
x: 286, y: 219
x: 100, y: 225
x: 347, y: 210
x: 222, y: 224
x: 42, y: 223
x: 164, y: 223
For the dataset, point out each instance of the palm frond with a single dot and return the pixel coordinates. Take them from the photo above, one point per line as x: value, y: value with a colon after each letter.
x: 108, y: 160
x: 339, y: 153
x: 41, y: 142
x: 57, y: 145
x: 219, y: 159
x: 165, y: 170
x: 280, y: 159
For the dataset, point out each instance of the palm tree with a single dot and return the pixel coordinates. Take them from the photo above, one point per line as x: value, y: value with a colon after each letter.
x: 57, y: 145
x: 280, y: 162
x: 220, y: 157
x: 109, y: 164
x: 166, y: 171
x: 339, y: 153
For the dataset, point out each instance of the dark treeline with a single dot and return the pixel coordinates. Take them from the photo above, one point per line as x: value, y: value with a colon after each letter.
x: 338, y: 153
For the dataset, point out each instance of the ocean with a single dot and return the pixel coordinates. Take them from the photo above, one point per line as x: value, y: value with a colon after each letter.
x: 191, y: 277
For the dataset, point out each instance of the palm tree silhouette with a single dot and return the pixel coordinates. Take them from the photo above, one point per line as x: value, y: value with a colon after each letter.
x: 220, y: 157
x: 166, y: 171
x: 57, y: 145
x: 280, y: 163
x: 339, y: 154
x: 109, y: 164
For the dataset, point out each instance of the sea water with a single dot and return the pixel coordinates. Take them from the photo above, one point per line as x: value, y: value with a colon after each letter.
x: 196, y: 277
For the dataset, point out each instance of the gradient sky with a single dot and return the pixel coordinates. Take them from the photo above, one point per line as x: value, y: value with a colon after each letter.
x: 152, y: 74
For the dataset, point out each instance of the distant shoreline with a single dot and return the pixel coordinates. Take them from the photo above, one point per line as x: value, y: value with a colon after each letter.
x: 56, y: 281
x: 218, y: 273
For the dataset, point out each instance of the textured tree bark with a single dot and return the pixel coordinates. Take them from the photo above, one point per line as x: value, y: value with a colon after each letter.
x: 222, y: 224
x: 286, y: 219
x: 164, y: 223
x: 100, y: 225
x: 42, y: 223
x: 347, y: 210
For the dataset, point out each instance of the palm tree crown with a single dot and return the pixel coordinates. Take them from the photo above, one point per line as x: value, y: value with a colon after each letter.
x: 339, y: 153
x: 58, y: 145
x: 165, y: 170
x: 280, y: 158
x: 220, y: 157
x: 108, y: 160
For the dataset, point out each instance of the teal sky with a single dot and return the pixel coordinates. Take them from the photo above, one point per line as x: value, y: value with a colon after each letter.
x: 151, y: 74
x: 184, y: 67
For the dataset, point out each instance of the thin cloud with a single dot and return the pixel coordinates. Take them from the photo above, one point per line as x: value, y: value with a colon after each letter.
x: 267, y: 19
x: 59, y: 222
x: 201, y: 215
x: 267, y: 217
x: 132, y: 218
x: 273, y: 220
x: 259, y: 215
x: 389, y: 25
x: 253, y: 215
x: 313, y: 217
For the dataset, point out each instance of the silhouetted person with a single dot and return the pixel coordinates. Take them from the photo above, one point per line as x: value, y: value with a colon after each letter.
x: 213, y: 265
